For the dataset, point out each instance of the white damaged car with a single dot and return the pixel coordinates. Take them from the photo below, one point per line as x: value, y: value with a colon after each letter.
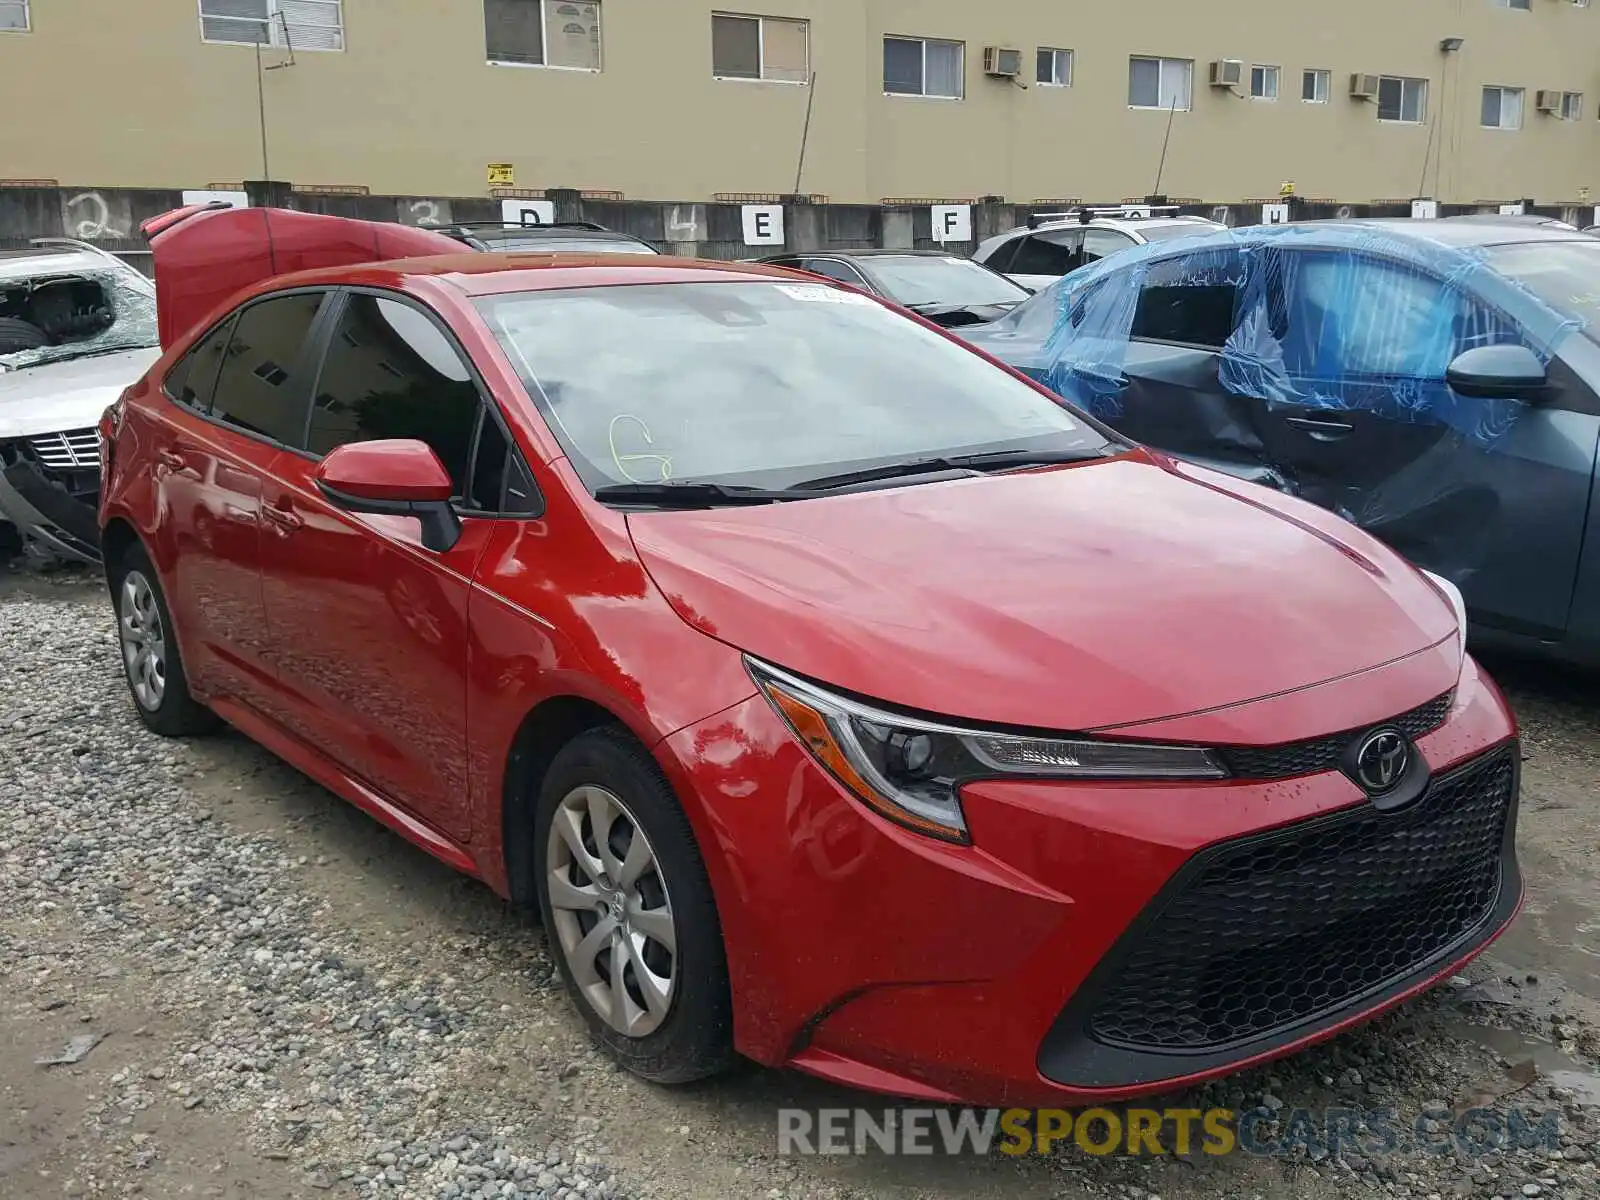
x: 77, y: 326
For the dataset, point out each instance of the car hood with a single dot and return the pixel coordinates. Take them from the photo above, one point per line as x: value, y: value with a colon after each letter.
x: 67, y: 395
x: 1072, y: 598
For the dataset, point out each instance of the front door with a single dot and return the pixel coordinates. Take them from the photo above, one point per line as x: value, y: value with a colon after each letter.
x: 1481, y: 491
x: 368, y: 627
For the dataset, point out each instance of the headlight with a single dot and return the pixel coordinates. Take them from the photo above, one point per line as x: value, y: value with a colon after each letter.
x: 1452, y: 596
x: 911, y: 771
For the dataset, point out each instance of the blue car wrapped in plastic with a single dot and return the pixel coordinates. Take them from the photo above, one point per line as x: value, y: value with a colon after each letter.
x: 1436, y: 382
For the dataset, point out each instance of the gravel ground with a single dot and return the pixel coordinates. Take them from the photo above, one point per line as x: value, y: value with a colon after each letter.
x: 288, y: 1001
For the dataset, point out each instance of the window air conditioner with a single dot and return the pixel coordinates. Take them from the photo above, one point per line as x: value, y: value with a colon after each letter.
x: 1364, y: 87
x: 1006, y: 64
x: 1227, y: 72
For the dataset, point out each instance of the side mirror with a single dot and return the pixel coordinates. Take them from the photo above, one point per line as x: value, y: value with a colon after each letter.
x: 401, y: 477
x: 1497, y: 373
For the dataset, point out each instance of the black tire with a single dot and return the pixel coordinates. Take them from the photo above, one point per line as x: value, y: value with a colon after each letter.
x: 17, y: 334
x: 695, y: 1039
x: 176, y: 713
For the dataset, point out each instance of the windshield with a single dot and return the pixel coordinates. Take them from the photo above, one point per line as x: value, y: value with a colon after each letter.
x: 78, y: 314
x: 911, y: 279
x: 756, y: 383
x: 1565, y: 275
x: 548, y: 245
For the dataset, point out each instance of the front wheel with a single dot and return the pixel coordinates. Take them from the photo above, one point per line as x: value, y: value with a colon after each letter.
x: 629, y: 912
x: 150, y: 657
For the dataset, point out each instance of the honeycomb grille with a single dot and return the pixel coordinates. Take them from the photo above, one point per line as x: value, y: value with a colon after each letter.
x: 1322, y: 754
x: 1274, y: 931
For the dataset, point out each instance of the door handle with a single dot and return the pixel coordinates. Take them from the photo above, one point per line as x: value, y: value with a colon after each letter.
x: 1317, y: 425
x: 284, y: 518
x: 171, y: 458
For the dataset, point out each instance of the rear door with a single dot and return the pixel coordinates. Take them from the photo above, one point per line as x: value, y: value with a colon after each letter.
x: 1171, y: 393
x: 1480, y: 491
x: 369, y: 628
x: 238, y: 395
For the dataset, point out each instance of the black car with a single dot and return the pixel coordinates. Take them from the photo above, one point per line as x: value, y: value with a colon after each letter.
x: 558, y: 237
x: 945, y: 288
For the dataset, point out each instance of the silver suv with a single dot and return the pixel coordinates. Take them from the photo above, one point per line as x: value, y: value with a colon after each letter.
x: 1052, y: 244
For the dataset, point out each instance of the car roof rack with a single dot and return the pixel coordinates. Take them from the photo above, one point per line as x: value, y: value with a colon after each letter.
x: 1086, y: 213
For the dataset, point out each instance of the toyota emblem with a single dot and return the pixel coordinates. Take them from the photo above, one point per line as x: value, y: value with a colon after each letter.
x: 1382, y: 760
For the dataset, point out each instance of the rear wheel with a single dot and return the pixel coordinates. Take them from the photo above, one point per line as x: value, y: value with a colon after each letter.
x: 629, y: 912
x: 150, y: 657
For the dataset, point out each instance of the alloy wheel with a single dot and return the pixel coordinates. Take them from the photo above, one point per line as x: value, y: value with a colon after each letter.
x: 144, y: 642
x: 611, y: 911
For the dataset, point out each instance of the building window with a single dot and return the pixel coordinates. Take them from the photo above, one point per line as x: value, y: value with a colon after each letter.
x: 1404, y: 100
x: 922, y: 67
x: 769, y: 48
x: 1160, y: 82
x: 1314, y: 86
x: 1524, y: 5
x: 543, y: 33
x: 1054, y: 68
x: 1502, y: 108
x: 1571, y: 106
x: 14, y: 16
x: 1263, y: 83
x: 289, y: 24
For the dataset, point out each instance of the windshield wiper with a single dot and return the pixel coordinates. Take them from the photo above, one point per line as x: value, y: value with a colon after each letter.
x: 993, y: 460
x: 689, y: 495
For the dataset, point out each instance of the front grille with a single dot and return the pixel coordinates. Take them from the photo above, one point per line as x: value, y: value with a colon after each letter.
x: 1322, y: 754
x: 1264, y: 934
x: 73, y: 448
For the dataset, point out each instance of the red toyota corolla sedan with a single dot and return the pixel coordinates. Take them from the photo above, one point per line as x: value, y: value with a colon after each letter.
x: 841, y: 698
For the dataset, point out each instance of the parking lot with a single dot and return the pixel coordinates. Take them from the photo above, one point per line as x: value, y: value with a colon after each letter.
x: 291, y: 1001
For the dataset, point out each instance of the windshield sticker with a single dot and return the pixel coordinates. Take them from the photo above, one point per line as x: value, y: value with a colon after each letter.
x: 821, y: 295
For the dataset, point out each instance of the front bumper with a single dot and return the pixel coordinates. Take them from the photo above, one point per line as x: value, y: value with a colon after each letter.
x: 54, y: 502
x: 993, y: 974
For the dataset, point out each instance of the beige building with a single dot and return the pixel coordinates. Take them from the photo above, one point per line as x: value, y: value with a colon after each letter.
x: 677, y: 99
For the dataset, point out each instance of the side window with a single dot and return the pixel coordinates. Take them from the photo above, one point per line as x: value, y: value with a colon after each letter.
x: 1097, y: 243
x: 391, y: 373
x: 1190, y: 300
x: 834, y: 269
x: 1354, y: 315
x: 192, y: 381
x: 1002, y: 258
x: 261, y: 388
x: 1048, y: 254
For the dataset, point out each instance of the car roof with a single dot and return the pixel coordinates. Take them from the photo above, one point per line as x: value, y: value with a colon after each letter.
x: 575, y: 232
x: 1448, y: 231
x: 480, y: 274
x: 1127, y: 224
x: 27, y: 263
x: 863, y: 252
